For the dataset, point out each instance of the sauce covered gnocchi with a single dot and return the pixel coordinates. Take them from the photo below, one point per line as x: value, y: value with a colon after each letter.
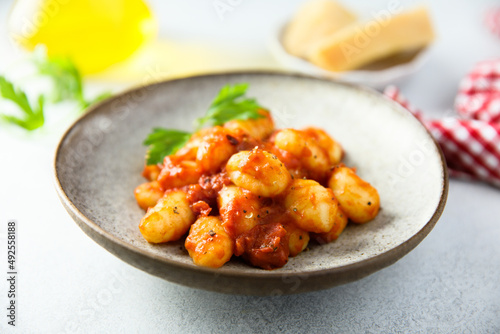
x: 245, y: 189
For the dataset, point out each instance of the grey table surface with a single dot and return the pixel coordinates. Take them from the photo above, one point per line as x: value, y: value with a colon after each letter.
x: 448, y: 284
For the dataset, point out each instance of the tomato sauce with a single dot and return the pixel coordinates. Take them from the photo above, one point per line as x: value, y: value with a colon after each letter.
x: 206, y: 190
x: 264, y: 246
x: 262, y: 240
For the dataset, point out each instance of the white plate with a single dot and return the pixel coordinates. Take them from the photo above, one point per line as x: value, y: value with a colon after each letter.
x: 385, y: 73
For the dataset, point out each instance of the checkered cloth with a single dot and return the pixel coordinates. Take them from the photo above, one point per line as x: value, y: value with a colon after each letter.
x: 492, y: 20
x: 479, y: 92
x: 471, y: 143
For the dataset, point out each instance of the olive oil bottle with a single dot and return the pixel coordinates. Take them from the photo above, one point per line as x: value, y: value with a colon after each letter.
x: 95, y: 34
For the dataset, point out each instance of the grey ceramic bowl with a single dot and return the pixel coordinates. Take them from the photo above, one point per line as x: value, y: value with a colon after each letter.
x: 99, y: 160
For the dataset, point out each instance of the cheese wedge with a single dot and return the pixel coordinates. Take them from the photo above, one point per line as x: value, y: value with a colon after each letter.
x: 315, y: 20
x: 359, y: 44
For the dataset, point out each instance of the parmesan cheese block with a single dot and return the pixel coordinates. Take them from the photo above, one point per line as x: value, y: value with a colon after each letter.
x: 315, y: 20
x: 359, y: 44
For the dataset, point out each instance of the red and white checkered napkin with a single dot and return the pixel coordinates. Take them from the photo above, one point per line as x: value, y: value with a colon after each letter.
x: 471, y: 144
x: 479, y: 92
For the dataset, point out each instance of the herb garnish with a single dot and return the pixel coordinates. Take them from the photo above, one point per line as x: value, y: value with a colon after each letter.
x: 67, y: 79
x: 163, y: 142
x: 68, y: 85
x: 230, y: 104
x: 33, y: 115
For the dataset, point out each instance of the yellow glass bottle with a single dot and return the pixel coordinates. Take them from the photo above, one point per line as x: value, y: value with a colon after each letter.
x: 94, y: 33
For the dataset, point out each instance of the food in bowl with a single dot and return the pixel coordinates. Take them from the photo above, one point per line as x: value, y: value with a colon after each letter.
x: 330, y: 36
x: 243, y: 188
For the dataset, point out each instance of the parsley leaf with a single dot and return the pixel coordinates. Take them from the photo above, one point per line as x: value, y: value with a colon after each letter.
x: 33, y: 117
x: 68, y: 85
x: 229, y: 104
x: 66, y: 77
x: 163, y: 142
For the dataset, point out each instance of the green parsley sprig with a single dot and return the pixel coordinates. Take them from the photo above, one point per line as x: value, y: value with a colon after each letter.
x: 67, y: 79
x: 33, y: 116
x: 68, y: 85
x: 163, y: 142
x: 230, y: 104
x: 64, y: 74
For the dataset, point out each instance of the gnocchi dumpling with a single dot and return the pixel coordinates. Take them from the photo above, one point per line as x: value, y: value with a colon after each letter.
x: 298, y: 239
x: 358, y: 199
x: 258, y: 171
x: 177, y: 174
x: 148, y: 194
x: 311, y: 156
x: 338, y: 227
x: 169, y: 219
x: 208, y: 244
x: 311, y: 206
x: 238, y: 208
x: 327, y: 143
x: 259, y: 128
x: 215, y: 148
x: 151, y: 172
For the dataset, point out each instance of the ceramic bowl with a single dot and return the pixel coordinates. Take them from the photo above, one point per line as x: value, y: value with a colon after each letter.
x: 99, y: 160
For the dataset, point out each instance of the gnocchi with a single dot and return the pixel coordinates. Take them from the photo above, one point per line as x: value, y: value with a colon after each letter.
x: 208, y: 244
x: 311, y: 206
x: 259, y: 172
x: 215, y: 148
x: 148, y: 194
x: 338, y: 227
x: 327, y: 143
x: 169, y: 219
x: 358, y: 199
x: 298, y: 239
x: 258, y: 129
x: 245, y: 189
x: 239, y: 209
x: 175, y: 173
x: 311, y: 156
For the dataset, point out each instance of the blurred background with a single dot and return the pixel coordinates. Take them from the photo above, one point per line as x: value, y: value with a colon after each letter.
x: 188, y: 37
x: 449, y: 283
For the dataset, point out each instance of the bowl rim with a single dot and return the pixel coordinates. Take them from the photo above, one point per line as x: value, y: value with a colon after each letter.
x: 379, y: 261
